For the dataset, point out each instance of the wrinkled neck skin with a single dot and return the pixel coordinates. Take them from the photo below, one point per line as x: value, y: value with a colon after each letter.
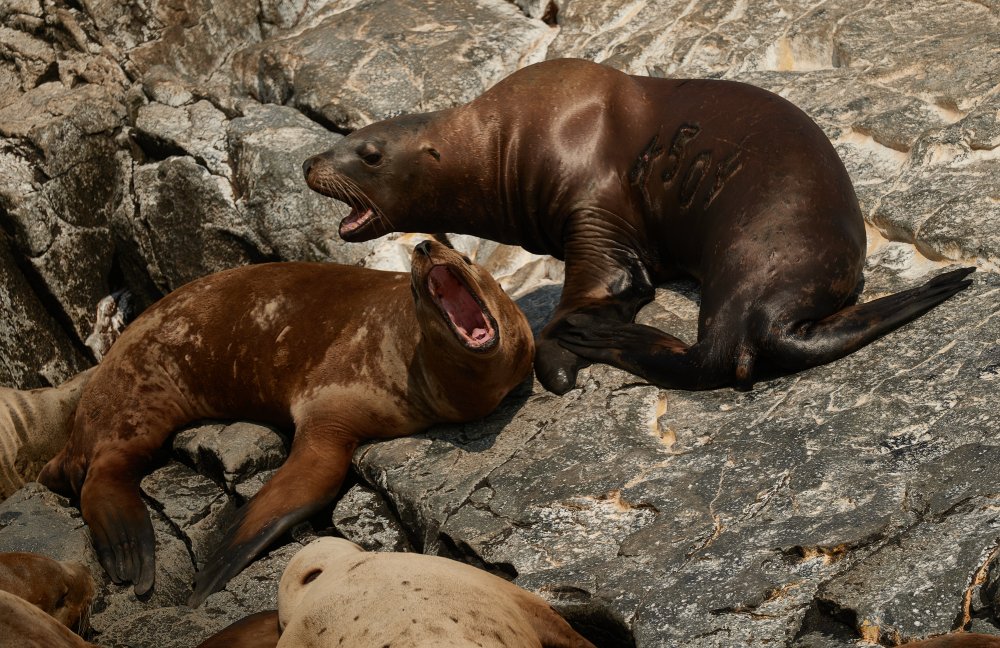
x: 494, y: 197
x: 457, y: 384
x: 534, y: 152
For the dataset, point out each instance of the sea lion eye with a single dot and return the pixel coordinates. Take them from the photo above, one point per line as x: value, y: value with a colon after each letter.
x: 369, y: 154
x: 434, y: 154
x: 311, y: 576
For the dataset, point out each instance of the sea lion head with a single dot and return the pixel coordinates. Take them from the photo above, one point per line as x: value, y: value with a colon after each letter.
x: 396, y: 161
x: 63, y: 590
x: 456, y: 300
x: 320, y: 556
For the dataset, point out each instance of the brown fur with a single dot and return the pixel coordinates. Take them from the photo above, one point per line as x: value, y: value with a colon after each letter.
x: 334, y: 594
x: 23, y: 625
x: 34, y: 426
x: 255, y: 631
x: 63, y: 590
x: 634, y: 181
x: 344, y: 354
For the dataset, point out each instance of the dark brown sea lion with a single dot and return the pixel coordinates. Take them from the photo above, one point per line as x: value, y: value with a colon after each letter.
x: 334, y: 594
x: 63, y: 590
x: 957, y: 640
x: 634, y: 181
x: 343, y: 354
x: 255, y: 631
x: 23, y: 625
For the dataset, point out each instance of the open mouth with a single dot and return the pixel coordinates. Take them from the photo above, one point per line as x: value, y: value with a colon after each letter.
x: 465, y: 313
x: 358, y: 218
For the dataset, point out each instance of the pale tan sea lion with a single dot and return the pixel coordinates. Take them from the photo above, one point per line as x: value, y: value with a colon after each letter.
x: 335, y: 594
x: 34, y: 426
x: 957, y: 640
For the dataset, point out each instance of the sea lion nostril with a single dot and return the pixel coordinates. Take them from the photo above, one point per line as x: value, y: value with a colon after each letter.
x: 307, y: 165
x: 424, y: 247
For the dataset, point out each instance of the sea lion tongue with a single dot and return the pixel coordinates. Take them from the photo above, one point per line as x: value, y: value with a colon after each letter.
x: 455, y: 300
x: 355, y: 219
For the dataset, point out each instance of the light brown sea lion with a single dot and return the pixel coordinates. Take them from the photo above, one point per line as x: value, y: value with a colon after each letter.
x: 63, y: 590
x: 23, y: 625
x: 343, y: 354
x: 634, y: 181
x: 957, y: 640
x: 34, y: 426
x: 334, y: 594
x: 255, y: 631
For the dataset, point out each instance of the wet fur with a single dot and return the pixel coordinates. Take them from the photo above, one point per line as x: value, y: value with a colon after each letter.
x: 635, y: 181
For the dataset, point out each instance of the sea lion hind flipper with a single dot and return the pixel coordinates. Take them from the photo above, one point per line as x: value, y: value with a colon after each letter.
x: 258, y: 630
x: 851, y: 328
x: 121, y: 530
x: 647, y: 352
x: 308, y: 480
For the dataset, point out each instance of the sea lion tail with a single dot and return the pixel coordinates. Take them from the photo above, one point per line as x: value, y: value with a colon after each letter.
x: 850, y: 329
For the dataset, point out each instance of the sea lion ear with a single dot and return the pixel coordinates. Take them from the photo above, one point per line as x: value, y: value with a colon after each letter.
x: 433, y: 152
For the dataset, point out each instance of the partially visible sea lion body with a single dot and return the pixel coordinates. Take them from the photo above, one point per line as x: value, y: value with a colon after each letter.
x: 634, y: 181
x: 255, y: 631
x: 957, y: 640
x: 34, y: 426
x: 334, y: 594
x: 63, y: 590
x: 23, y: 625
x: 343, y: 354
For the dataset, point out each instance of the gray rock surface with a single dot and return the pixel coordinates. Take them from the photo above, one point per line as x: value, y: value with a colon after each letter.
x: 146, y: 144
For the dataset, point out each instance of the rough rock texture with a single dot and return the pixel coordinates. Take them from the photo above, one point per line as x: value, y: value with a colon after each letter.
x: 145, y: 144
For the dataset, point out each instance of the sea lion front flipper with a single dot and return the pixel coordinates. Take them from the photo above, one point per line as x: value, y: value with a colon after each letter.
x: 308, y: 480
x: 119, y: 524
x: 609, y: 283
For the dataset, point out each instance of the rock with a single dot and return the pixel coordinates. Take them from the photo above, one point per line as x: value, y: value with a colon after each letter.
x: 34, y: 349
x: 358, y: 64
x: 362, y: 516
x: 196, y: 508
x: 268, y: 145
x: 187, y: 225
x: 37, y: 520
x: 141, y: 146
x: 230, y: 453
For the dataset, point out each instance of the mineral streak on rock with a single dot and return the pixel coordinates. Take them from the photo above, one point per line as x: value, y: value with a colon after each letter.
x: 142, y: 145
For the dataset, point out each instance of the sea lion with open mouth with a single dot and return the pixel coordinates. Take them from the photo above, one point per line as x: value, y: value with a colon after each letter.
x: 634, y: 181
x: 343, y: 354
